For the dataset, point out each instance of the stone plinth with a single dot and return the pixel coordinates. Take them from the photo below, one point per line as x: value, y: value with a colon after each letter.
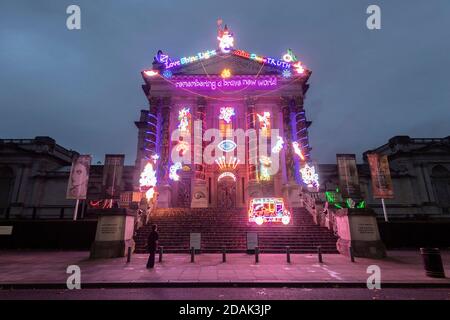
x: 358, y: 228
x: 114, y: 234
x: 164, y: 197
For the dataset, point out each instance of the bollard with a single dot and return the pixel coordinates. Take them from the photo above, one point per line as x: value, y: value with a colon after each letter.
x: 192, y: 254
x: 319, y: 253
x: 161, y: 249
x: 288, y: 254
x: 432, y: 262
x: 129, y: 255
x: 224, y: 255
x: 352, y: 257
x: 256, y: 254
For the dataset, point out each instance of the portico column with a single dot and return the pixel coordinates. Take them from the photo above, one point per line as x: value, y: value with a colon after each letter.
x: 164, y: 190
x: 253, y: 189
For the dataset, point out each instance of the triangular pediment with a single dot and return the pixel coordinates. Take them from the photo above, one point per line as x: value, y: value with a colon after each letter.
x: 216, y: 64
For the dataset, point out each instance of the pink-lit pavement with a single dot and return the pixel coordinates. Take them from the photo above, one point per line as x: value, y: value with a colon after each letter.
x: 31, y: 267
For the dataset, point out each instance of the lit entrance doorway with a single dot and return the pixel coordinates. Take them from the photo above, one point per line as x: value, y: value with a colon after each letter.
x: 226, y: 191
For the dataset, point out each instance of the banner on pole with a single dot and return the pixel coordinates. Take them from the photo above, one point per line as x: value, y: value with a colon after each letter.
x: 348, y: 176
x: 79, y: 177
x: 381, y: 176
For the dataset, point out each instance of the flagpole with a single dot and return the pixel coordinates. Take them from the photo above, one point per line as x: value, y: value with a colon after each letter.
x: 76, y: 210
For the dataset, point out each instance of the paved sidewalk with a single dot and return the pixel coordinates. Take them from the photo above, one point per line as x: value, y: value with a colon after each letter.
x: 31, y: 267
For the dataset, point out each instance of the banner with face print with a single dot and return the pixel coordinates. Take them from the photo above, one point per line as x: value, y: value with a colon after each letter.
x: 79, y: 177
x: 381, y: 176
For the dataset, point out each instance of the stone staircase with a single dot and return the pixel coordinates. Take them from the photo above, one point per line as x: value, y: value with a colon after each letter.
x: 228, y: 228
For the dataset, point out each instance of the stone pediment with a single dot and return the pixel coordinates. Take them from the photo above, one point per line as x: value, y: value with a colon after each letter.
x: 215, y: 65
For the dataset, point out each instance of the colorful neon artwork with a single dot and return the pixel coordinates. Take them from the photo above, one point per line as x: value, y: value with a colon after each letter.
x: 173, y: 171
x: 297, y: 150
x: 298, y: 67
x: 286, y: 74
x: 147, y: 181
x: 309, y: 176
x: 264, y: 173
x: 289, y: 56
x: 278, y: 145
x: 214, y: 83
x: 264, y: 121
x: 262, y: 210
x: 183, y: 118
x: 227, y: 145
x: 262, y: 60
x: 151, y: 73
x: 227, y: 174
x: 226, y: 40
x: 182, y: 147
x: 226, y: 113
x: 225, y: 164
x: 189, y: 59
x: 167, y: 74
x: 226, y: 73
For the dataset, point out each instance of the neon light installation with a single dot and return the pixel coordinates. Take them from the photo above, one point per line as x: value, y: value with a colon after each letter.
x: 226, y: 113
x: 227, y: 174
x: 189, y: 59
x: 182, y: 147
x: 226, y: 73
x: 309, y: 176
x: 297, y: 150
x: 226, y: 40
x: 183, y: 118
x: 264, y: 121
x: 264, y: 170
x: 263, y: 210
x: 262, y: 60
x: 286, y: 74
x: 147, y: 181
x: 173, y: 171
x: 213, y: 83
x: 278, y: 145
x: 223, y: 164
x: 298, y: 67
x: 151, y: 73
x: 227, y: 145
x: 289, y: 56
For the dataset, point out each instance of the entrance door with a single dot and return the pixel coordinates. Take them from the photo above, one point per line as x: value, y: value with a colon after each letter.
x: 226, y: 193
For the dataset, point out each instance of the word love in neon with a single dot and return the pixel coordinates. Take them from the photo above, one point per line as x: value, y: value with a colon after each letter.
x: 213, y: 84
x: 263, y: 60
x: 185, y: 60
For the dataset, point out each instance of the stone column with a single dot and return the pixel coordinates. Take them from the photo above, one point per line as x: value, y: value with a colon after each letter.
x: 199, y: 197
x: 253, y: 189
x: 164, y: 190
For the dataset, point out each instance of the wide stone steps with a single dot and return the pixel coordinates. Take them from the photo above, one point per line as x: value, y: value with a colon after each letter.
x: 228, y: 229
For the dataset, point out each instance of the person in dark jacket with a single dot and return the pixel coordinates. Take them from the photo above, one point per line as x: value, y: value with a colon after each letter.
x: 152, y: 244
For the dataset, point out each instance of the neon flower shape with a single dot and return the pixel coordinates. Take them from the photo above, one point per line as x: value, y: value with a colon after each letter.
x: 227, y: 145
x: 265, y: 165
x: 173, y: 171
x: 147, y: 181
x: 289, y: 56
x: 278, y: 145
x: 226, y: 113
x: 297, y: 150
x: 155, y: 157
x: 151, y: 73
x: 298, y: 67
x: 287, y: 73
x: 309, y: 176
x: 264, y: 120
x: 226, y: 40
x: 226, y: 73
x: 227, y: 174
x: 182, y: 147
x: 183, y: 118
x: 167, y: 74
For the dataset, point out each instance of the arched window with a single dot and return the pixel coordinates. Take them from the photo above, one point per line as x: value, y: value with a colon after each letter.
x: 440, y: 178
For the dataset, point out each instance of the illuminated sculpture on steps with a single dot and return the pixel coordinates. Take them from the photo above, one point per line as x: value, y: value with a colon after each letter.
x: 148, y: 180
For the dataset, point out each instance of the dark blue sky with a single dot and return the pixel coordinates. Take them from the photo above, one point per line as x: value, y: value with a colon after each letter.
x: 83, y: 87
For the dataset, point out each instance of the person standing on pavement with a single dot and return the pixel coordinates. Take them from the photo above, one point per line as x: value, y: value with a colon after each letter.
x: 152, y: 244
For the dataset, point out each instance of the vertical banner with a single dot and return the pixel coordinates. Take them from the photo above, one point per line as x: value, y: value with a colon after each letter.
x: 112, y: 175
x: 381, y: 176
x: 79, y: 177
x: 348, y: 176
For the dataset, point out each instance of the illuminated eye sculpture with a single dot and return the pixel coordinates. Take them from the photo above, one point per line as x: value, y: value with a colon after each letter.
x: 309, y: 176
x: 147, y: 181
x: 227, y: 145
x: 289, y: 56
x: 278, y: 145
x: 173, y: 171
x: 226, y: 40
x: 264, y: 121
x: 182, y: 147
x: 297, y: 150
x: 226, y: 113
x: 183, y: 118
x: 265, y: 165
